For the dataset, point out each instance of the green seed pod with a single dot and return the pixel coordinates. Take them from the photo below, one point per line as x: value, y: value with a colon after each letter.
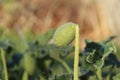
x: 64, y: 34
x: 29, y: 63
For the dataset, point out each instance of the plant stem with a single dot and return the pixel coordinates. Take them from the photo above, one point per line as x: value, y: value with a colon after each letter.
x: 98, y: 74
x: 4, y: 64
x: 25, y: 75
x: 63, y: 63
x: 76, y: 55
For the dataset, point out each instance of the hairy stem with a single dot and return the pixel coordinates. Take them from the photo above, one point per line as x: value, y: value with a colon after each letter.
x: 4, y: 64
x: 98, y: 74
x: 63, y: 63
x: 76, y: 55
x: 25, y: 75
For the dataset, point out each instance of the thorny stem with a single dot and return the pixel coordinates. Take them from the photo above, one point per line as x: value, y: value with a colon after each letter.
x: 76, y: 55
x: 4, y: 64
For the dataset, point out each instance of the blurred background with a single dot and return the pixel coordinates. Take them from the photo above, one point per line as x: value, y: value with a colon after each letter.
x: 26, y: 26
x: 98, y: 19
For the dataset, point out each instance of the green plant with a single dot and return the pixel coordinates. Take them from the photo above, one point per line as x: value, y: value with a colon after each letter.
x: 4, y: 64
x: 29, y: 63
x: 25, y: 75
x: 63, y: 36
x: 26, y: 57
x: 96, y: 54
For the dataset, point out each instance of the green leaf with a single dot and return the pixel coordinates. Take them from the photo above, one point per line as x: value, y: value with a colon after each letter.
x: 97, y: 52
x: 109, y: 48
x: 116, y: 77
x: 62, y: 77
x: 90, y: 58
x: 44, y: 38
x: 29, y: 63
x: 98, y: 64
x: 92, y: 78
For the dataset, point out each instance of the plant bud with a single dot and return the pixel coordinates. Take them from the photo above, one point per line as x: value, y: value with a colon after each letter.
x: 64, y: 34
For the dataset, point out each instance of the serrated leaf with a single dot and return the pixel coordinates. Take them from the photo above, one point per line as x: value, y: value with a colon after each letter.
x: 97, y: 52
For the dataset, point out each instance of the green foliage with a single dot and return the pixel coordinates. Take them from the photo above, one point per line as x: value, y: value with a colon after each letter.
x: 117, y: 77
x: 29, y: 63
x: 45, y: 38
x: 62, y: 77
x: 34, y: 58
x: 97, y: 52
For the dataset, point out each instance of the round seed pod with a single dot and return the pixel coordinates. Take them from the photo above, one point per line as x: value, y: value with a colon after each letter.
x: 29, y: 63
x: 64, y: 34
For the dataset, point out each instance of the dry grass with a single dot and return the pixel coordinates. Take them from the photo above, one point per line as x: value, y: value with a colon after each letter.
x: 41, y: 15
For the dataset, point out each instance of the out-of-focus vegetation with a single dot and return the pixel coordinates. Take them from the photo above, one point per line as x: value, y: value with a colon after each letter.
x: 41, y: 15
x: 27, y: 27
x: 29, y: 59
